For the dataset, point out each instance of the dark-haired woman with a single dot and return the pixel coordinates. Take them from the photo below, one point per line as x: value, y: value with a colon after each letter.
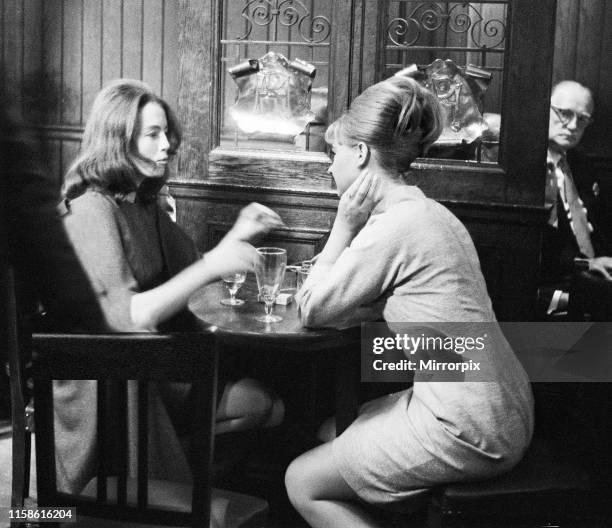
x: 396, y: 255
x: 144, y: 268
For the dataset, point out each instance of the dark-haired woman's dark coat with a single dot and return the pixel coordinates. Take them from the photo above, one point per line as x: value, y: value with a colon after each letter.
x: 126, y: 245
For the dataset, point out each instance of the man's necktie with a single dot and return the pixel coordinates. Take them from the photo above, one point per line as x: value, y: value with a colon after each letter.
x: 551, y: 193
x: 576, y: 211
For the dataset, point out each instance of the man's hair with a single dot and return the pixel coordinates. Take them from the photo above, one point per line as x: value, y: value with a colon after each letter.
x: 568, y: 83
x: 109, y: 139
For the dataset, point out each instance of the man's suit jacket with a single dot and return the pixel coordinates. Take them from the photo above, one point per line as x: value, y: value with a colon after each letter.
x: 559, y: 246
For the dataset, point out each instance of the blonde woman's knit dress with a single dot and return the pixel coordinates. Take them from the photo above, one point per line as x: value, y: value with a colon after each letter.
x: 415, y: 262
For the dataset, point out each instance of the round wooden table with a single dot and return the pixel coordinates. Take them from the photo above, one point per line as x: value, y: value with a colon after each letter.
x: 237, y: 326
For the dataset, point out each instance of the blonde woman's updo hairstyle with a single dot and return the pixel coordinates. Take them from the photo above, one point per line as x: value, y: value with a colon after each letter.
x: 110, y: 137
x: 397, y: 118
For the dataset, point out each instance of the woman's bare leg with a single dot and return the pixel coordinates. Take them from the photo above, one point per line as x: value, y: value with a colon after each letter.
x: 246, y: 404
x: 320, y: 494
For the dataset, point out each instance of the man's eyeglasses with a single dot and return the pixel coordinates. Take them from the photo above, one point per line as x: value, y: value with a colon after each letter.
x: 566, y: 116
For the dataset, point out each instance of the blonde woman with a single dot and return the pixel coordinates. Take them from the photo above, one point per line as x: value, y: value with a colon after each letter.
x: 396, y: 255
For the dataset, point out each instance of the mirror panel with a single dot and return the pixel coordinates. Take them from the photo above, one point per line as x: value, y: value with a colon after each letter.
x: 459, y: 47
x: 275, y: 68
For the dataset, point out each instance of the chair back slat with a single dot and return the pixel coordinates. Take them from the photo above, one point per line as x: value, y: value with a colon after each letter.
x: 9, y: 336
x: 102, y: 441
x: 46, y: 484
x: 143, y: 444
x: 122, y: 441
x: 203, y: 443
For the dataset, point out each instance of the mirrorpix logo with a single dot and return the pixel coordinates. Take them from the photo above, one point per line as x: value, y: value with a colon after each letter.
x: 427, y: 354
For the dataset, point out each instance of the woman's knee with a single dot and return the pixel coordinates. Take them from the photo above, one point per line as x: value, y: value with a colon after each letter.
x: 297, y: 483
x: 314, y: 476
x: 249, y: 400
x: 277, y: 413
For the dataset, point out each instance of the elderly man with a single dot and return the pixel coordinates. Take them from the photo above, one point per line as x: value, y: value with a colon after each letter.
x: 572, y: 196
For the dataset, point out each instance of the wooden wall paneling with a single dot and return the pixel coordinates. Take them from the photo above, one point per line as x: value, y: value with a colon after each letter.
x: 2, y: 40
x: 605, y: 75
x: 32, y: 59
x: 197, y: 29
x: 12, y: 36
x: 265, y: 170
x: 508, y: 243
x: 132, y: 44
x: 92, y: 53
x: 111, y: 40
x: 339, y: 91
x: 153, y: 44
x: 69, y: 151
x: 357, y: 48
x: 598, y: 137
x: 527, y: 73
x: 52, y: 61
x: 208, y: 213
x: 588, y: 42
x: 372, y: 67
x: 72, y: 53
x: 170, y: 68
x: 312, y: 210
x: 301, y: 244
x: 78, y: 45
x: 51, y: 156
x: 601, y: 128
x: 566, y: 32
x: 2, y: 43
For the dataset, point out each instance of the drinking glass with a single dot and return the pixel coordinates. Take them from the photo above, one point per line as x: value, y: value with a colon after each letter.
x: 233, y: 283
x: 269, y: 270
x: 303, y: 272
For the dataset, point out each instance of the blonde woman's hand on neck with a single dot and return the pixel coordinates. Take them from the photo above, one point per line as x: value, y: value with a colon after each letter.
x: 357, y: 202
x: 354, y: 209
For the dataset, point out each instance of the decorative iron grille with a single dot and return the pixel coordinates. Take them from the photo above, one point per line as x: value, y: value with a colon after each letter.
x: 459, y: 18
x: 288, y: 13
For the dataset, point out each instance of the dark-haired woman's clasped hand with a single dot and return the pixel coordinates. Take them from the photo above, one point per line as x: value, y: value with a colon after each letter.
x: 254, y: 222
x: 230, y: 256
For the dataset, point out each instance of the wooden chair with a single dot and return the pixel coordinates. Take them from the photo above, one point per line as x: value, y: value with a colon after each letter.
x: 552, y: 485
x: 20, y: 414
x: 543, y: 490
x: 114, y: 493
x: 114, y: 359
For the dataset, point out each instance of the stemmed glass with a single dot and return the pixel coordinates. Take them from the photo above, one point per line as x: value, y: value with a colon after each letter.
x: 233, y: 282
x: 270, y: 266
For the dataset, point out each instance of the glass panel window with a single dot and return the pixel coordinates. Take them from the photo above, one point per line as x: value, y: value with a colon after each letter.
x: 458, y: 48
x: 275, y: 57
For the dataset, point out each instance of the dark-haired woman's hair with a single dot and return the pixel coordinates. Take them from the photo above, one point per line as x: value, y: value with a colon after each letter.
x: 109, y: 139
x: 397, y: 118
